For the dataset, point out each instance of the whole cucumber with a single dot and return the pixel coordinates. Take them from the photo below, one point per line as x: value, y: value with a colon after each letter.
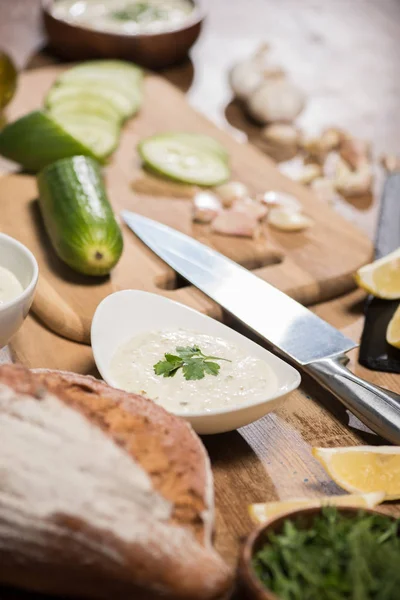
x: 78, y: 216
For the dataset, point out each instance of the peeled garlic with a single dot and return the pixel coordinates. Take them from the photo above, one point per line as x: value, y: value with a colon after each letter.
x: 206, y: 206
x: 280, y: 141
x: 250, y: 207
x: 353, y: 183
x: 229, y: 192
x: 276, y: 100
x: 280, y: 199
x: 246, y: 76
x: 288, y: 220
x: 230, y: 222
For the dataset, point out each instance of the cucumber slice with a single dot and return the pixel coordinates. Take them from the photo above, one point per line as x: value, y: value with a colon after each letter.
x: 85, y: 105
x: 123, y: 75
x: 103, y: 68
x: 180, y: 159
x: 78, y: 216
x: 126, y: 102
x: 100, y: 135
x: 37, y: 140
x: 203, y: 141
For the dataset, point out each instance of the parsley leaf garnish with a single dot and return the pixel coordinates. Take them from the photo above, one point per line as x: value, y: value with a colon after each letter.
x: 192, y: 361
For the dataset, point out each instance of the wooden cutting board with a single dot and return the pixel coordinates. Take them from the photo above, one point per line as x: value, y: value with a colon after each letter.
x: 311, y: 266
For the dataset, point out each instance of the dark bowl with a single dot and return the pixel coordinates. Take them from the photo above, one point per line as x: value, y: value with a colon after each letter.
x: 152, y: 50
x: 247, y: 577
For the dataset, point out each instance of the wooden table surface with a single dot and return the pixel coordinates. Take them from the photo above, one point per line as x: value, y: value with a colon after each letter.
x: 346, y: 56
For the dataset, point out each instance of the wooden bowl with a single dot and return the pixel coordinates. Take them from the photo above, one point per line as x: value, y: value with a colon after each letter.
x: 247, y: 577
x: 153, y: 50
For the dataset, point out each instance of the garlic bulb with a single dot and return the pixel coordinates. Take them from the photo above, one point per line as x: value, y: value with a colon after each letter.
x: 244, y: 78
x: 247, y: 75
x: 276, y: 100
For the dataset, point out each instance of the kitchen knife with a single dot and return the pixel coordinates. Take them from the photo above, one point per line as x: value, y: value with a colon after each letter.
x: 316, y: 346
x: 375, y: 353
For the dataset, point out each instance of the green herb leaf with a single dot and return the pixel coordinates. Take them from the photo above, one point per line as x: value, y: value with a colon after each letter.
x: 186, y: 352
x: 194, y: 364
x: 337, y: 558
x: 169, y: 366
x: 211, y: 368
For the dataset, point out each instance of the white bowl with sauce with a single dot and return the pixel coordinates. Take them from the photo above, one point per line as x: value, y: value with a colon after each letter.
x: 124, y: 326
x: 18, y: 278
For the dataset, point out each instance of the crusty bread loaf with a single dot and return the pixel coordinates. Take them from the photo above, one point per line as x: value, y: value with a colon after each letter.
x: 102, y: 493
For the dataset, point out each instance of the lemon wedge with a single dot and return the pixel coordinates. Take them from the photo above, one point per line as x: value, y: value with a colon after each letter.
x: 363, y: 469
x: 393, y: 330
x: 263, y: 512
x: 382, y: 277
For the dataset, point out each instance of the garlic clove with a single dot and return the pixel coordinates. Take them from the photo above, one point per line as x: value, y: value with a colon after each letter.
x: 308, y: 173
x: 276, y: 100
x: 356, y: 153
x: 390, y: 162
x: 353, y: 183
x: 280, y: 199
x: 280, y: 141
x: 288, y: 220
x: 230, y: 222
x: 229, y: 192
x: 206, y: 207
x: 250, y: 207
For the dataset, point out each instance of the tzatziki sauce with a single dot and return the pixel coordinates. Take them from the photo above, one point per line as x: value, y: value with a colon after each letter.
x: 125, y: 16
x: 244, y: 379
x: 10, y: 286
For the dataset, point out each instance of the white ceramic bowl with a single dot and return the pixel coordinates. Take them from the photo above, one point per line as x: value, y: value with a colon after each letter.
x: 20, y: 261
x: 125, y: 314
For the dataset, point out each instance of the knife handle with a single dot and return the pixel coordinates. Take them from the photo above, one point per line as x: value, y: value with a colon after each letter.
x: 376, y: 407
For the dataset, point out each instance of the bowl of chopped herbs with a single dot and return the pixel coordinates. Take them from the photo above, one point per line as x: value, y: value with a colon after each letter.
x: 324, y: 553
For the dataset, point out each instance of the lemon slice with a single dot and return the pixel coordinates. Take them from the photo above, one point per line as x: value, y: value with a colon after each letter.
x: 363, y: 469
x: 382, y: 277
x: 261, y: 513
x: 393, y: 330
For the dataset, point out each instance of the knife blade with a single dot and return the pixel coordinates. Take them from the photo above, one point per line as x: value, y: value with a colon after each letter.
x: 290, y: 327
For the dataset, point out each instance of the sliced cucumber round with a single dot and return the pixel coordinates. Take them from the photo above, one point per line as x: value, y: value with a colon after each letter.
x: 203, y: 141
x: 123, y: 74
x: 37, y: 140
x: 127, y: 103
x: 180, y: 159
x: 84, y: 105
x: 100, y: 135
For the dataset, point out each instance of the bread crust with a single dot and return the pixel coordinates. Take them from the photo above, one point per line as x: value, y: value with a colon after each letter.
x: 75, y: 562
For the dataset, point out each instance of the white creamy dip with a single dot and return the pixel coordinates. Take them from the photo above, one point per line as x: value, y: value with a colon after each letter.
x: 125, y: 16
x: 10, y: 287
x: 244, y: 379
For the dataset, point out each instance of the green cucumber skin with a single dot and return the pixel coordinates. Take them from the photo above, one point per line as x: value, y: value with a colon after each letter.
x: 78, y: 216
x: 36, y: 140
